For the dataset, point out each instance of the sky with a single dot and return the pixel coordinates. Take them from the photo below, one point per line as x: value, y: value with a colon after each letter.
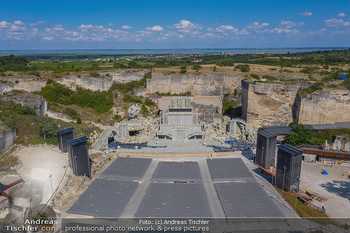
x: 165, y: 24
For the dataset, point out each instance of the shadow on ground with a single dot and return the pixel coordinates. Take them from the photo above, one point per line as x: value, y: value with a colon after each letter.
x: 341, y: 188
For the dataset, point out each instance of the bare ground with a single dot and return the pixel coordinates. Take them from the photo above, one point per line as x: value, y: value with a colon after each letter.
x: 335, y: 187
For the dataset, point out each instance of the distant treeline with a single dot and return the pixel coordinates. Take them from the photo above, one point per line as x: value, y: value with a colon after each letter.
x: 75, y: 63
x: 13, y: 63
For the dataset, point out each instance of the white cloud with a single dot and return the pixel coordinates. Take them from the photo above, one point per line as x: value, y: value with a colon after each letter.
x: 17, y: 28
x: 110, y: 24
x: 288, y: 24
x: 306, y: 13
x: 225, y: 28
x: 85, y: 28
x: 341, y: 15
x: 48, y: 38
x: 155, y: 28
x: 37, y: 23
x: 126, y: 27
x: 18, y: 22
x: 4, y: 25
x: 186, y: 26
x: 257, y: 25
x: 336, y: 23
x: 284, y: 30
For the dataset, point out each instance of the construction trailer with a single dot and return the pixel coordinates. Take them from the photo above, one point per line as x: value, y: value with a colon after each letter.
x: 63, y: 136
x: 266, y: 149
x: 78, y: 156
x: 288, y: 169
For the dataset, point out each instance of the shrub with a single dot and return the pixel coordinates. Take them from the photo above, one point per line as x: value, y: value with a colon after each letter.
x: 255, y: 76
x: 149, y: 102
x: 71, y: 112
x: 243, y: 68
x: 117, y: 117
x: 269, y: 78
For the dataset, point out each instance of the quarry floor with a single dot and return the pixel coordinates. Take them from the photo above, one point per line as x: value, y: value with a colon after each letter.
x: 335, y: 187
x: 39, y: 162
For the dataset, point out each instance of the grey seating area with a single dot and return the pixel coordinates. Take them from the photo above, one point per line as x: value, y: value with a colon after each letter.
x: 104, y: 198
x: 229, y: 169
x: 142, y: 188
x: 246, y: 199
x: 170, y: 171
x: 175, y: 200
x: 126, y: 168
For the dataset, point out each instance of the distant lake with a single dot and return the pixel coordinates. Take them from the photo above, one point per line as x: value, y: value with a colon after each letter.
x: 167, y: 51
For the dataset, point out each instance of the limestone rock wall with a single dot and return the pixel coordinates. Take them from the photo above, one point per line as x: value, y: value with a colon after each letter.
x: 26, y: 84
x: 102, y: 83
x: 83, y: 79
x: 206, y: 84
x: 265, y: 104
x: 91, y: 83
x: 325, y: 106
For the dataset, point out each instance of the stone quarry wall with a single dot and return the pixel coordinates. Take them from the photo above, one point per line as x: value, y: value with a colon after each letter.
x: 7, y: 139
x: 325, y: 106
x: 206, y: 84
x: 265, y: 104
x: 102, y: 83
x: 26, y: 84
x: 83, y: 79
x: 91, y: 83
x: 38, y: 103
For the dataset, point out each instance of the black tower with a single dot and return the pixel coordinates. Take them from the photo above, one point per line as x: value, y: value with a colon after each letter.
x: 288, y: 166
x: 63, y: 136
x: 79, y: 157
x: 265, y: 148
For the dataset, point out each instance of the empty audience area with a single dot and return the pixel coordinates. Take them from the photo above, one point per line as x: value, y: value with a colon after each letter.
x: 126, y: 168
x: 104, y: 198
x: 175, y: 200
x: 183, y: 171
x: 229, y: 169
x: 246, y: 199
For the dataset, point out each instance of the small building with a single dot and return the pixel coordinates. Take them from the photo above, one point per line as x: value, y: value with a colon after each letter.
x: 288, y: 170
x: 265, y: 148
x: 63, y: 136
x: 324, y: 127
x: 78, y: 156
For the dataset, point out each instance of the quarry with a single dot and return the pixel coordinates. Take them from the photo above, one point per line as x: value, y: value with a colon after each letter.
x: 185, y: 158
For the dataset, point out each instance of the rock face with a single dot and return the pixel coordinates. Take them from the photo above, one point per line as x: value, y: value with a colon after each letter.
x: 230, y: 129
x: 206, y: 84
x: 325, y: 106
x: 38, y: 103
x: 7, y: 137
x: 83, y: 79
x: 26, y: 84
x: 102, y: 83
x: 265, y: 104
